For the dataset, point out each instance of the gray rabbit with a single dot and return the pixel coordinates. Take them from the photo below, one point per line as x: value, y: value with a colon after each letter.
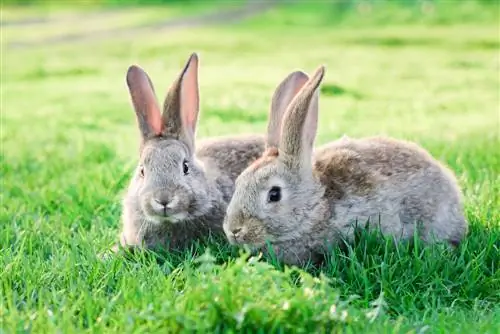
x: 179, y: 192
x: 301, y: 200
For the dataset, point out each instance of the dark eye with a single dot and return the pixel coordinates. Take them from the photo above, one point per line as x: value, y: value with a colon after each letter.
x: 185, y: 167
x: 141, y: 171
x: 274, y: 194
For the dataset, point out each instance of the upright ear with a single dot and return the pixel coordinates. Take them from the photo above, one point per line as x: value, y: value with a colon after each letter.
x: 282, y: 97
x: 300, y: 122
x: 144, y: 101
x: 182, y: 104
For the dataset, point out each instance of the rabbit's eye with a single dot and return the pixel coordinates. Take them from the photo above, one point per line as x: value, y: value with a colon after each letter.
x: 141, y: 171
x: 274, y: 194
x: 185, y: 167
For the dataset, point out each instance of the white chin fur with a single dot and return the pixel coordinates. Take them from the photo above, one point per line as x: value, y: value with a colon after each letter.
x: 175, y: 218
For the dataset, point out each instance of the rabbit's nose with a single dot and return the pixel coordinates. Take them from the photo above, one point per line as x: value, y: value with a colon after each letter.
x: 162, y: 201
x: 236, y: 230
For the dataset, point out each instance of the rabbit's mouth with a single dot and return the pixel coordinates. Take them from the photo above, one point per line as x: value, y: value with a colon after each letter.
x: 174, y: 217
x: 234, y: 237
x: 161, y: 212
x: 165, y: 217
x: 244, y: 236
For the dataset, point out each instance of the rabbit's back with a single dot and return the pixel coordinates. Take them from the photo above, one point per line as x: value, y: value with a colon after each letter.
x: 396, y: 181
x: 230, y: 154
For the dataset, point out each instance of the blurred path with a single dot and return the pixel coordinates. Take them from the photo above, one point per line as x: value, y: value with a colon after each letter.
x: 68, y: 17
x: 252, y: 7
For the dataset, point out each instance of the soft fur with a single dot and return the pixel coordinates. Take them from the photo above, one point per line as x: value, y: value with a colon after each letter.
x: 163, y: 206
x: 391, y: 185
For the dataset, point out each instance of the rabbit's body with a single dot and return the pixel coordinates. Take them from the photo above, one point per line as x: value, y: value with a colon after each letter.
x: 391, y: 184
x: 179, y: 191
x: 302, y: 202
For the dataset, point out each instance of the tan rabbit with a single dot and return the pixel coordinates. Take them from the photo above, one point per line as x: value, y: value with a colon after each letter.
x: 300, y: 201
x: 179, y: 193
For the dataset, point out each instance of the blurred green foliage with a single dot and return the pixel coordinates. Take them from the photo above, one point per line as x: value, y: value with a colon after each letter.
x: 318, y: 13
x: 101, y: 2
x: 97, y: 2
x: 340, y: 4
x: 386, y: 12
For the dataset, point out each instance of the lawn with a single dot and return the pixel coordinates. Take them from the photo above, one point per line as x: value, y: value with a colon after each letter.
x: 70, y: 143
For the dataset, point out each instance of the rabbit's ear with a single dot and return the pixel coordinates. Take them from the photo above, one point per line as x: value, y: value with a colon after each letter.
x: 300, y: 122
x: 182, y: 104
x: 144, y: 101
x: 282, y: 97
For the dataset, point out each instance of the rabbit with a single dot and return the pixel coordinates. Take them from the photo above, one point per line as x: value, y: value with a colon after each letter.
x: 178, y: 193
x: 297, y: 200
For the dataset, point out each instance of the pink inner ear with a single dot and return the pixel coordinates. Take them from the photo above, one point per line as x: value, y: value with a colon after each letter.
x: 144, y: 99
x: 152, y: 109
x: 154, y: 119
x: 190, y: 100
x: 283, y: 95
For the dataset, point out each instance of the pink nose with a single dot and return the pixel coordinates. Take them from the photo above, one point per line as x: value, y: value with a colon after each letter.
x: 162, y: 201
x: 236, y: 230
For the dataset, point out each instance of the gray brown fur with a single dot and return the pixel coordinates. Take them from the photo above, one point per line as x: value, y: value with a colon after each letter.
x: 237, y: 152
x: 165, y: 207
x: 394, y: 185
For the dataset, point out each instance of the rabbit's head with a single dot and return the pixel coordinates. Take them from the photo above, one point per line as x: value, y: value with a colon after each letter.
x: 168, y: 185
x: 278, y: 199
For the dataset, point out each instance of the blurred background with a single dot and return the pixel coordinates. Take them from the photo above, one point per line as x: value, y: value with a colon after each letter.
x: 416, y: 69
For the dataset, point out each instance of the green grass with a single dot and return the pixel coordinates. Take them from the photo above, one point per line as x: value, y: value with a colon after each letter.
x: 69, y: 143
